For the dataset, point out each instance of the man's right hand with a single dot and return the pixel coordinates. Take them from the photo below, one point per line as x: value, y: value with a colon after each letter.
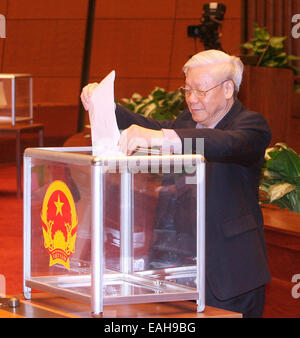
x: 86, y: 94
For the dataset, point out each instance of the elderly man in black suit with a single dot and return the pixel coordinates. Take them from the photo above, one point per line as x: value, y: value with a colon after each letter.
x: 235, y: 140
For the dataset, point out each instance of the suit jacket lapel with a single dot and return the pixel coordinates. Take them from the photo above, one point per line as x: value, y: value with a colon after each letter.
x: 226, y: 120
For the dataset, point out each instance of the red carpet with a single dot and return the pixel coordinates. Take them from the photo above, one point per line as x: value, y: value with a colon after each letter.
x: 11, y: 231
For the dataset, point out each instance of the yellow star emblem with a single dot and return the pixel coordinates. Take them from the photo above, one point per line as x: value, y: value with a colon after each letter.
x: 59, y: 206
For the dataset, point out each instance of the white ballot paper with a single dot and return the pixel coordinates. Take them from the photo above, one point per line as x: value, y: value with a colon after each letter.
x: 104, y: 128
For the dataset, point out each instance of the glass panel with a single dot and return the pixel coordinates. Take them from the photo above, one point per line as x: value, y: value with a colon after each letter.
x: 111, y: 220
x: 60, y: 219
x: 22, y: 97
x: 165, y: 208
x: 173, y: 235
x: 5, y: 100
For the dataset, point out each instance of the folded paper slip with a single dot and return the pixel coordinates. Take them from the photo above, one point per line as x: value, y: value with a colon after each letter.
x: 104, y: 129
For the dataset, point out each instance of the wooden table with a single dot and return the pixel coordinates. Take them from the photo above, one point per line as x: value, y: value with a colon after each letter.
x: 282, y: 232
x: 7, y: 130
x: 44, y: 305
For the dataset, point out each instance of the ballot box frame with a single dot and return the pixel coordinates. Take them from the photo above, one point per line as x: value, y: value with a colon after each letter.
x: 13, y: 77
x: 164, y: 289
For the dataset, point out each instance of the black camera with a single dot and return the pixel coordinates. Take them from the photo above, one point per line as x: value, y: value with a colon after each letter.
x: 208, y: 30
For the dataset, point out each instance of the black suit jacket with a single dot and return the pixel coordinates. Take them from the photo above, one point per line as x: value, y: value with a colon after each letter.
x: 236, y: 259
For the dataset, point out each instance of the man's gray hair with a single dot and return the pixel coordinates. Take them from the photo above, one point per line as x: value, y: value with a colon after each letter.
x: 229, y: 67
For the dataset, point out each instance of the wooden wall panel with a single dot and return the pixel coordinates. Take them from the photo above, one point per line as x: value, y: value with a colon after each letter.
x: 126, y: 87
x: 44, y: 47
x: 46, y: 9
x: 287, y: 15
x: 293, y: 139
x: 2, y: 42
x: 3, y: 7
x: 148, y: 41
x: 134, y: 48
x: 278, y: 30
x: 61, y: 125
x: 50, y: 50
x: 141, y: 9
x: 270, y: 15
x: 260, y: 92
x: 174, y: 84
x: 183, y: 48
x: 1, y: 52
x: 144, y: 41
x: 231, y: 39
x: 60, y: 90
x: 3, y: 11
x: 260, y: 13
x: 46, y: 40
x: 250, y: 19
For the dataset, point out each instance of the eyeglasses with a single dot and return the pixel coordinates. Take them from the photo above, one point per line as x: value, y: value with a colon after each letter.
x: 199, y: 93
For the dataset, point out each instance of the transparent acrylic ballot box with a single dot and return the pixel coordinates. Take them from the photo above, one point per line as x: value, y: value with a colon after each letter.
x: 114, y: 230
x: 16, y: 97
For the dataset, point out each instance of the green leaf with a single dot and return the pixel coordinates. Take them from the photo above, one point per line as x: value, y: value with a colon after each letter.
x: 271, y: 64
x: 261, y: 34
x: 280, y: 178
x: 261, y: 44
x: 293, y: 57
x: 130, y: 106
x: 296, y: 70
x: 280, y: 145
x: 247, y: 45
x: 277, y: 41
x: 283, y: 163
x: 281, y: 56
x: 269, y: 174
x: 283, y: 204
x: 278, y: 190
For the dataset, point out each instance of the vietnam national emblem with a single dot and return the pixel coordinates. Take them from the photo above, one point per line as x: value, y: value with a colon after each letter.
x: 59, y: 223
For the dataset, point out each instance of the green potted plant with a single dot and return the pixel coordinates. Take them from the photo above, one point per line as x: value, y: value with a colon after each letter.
x: 158, y: 105
x: 269, y: 51
x: 280, y: 178
x: 268, y: 84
